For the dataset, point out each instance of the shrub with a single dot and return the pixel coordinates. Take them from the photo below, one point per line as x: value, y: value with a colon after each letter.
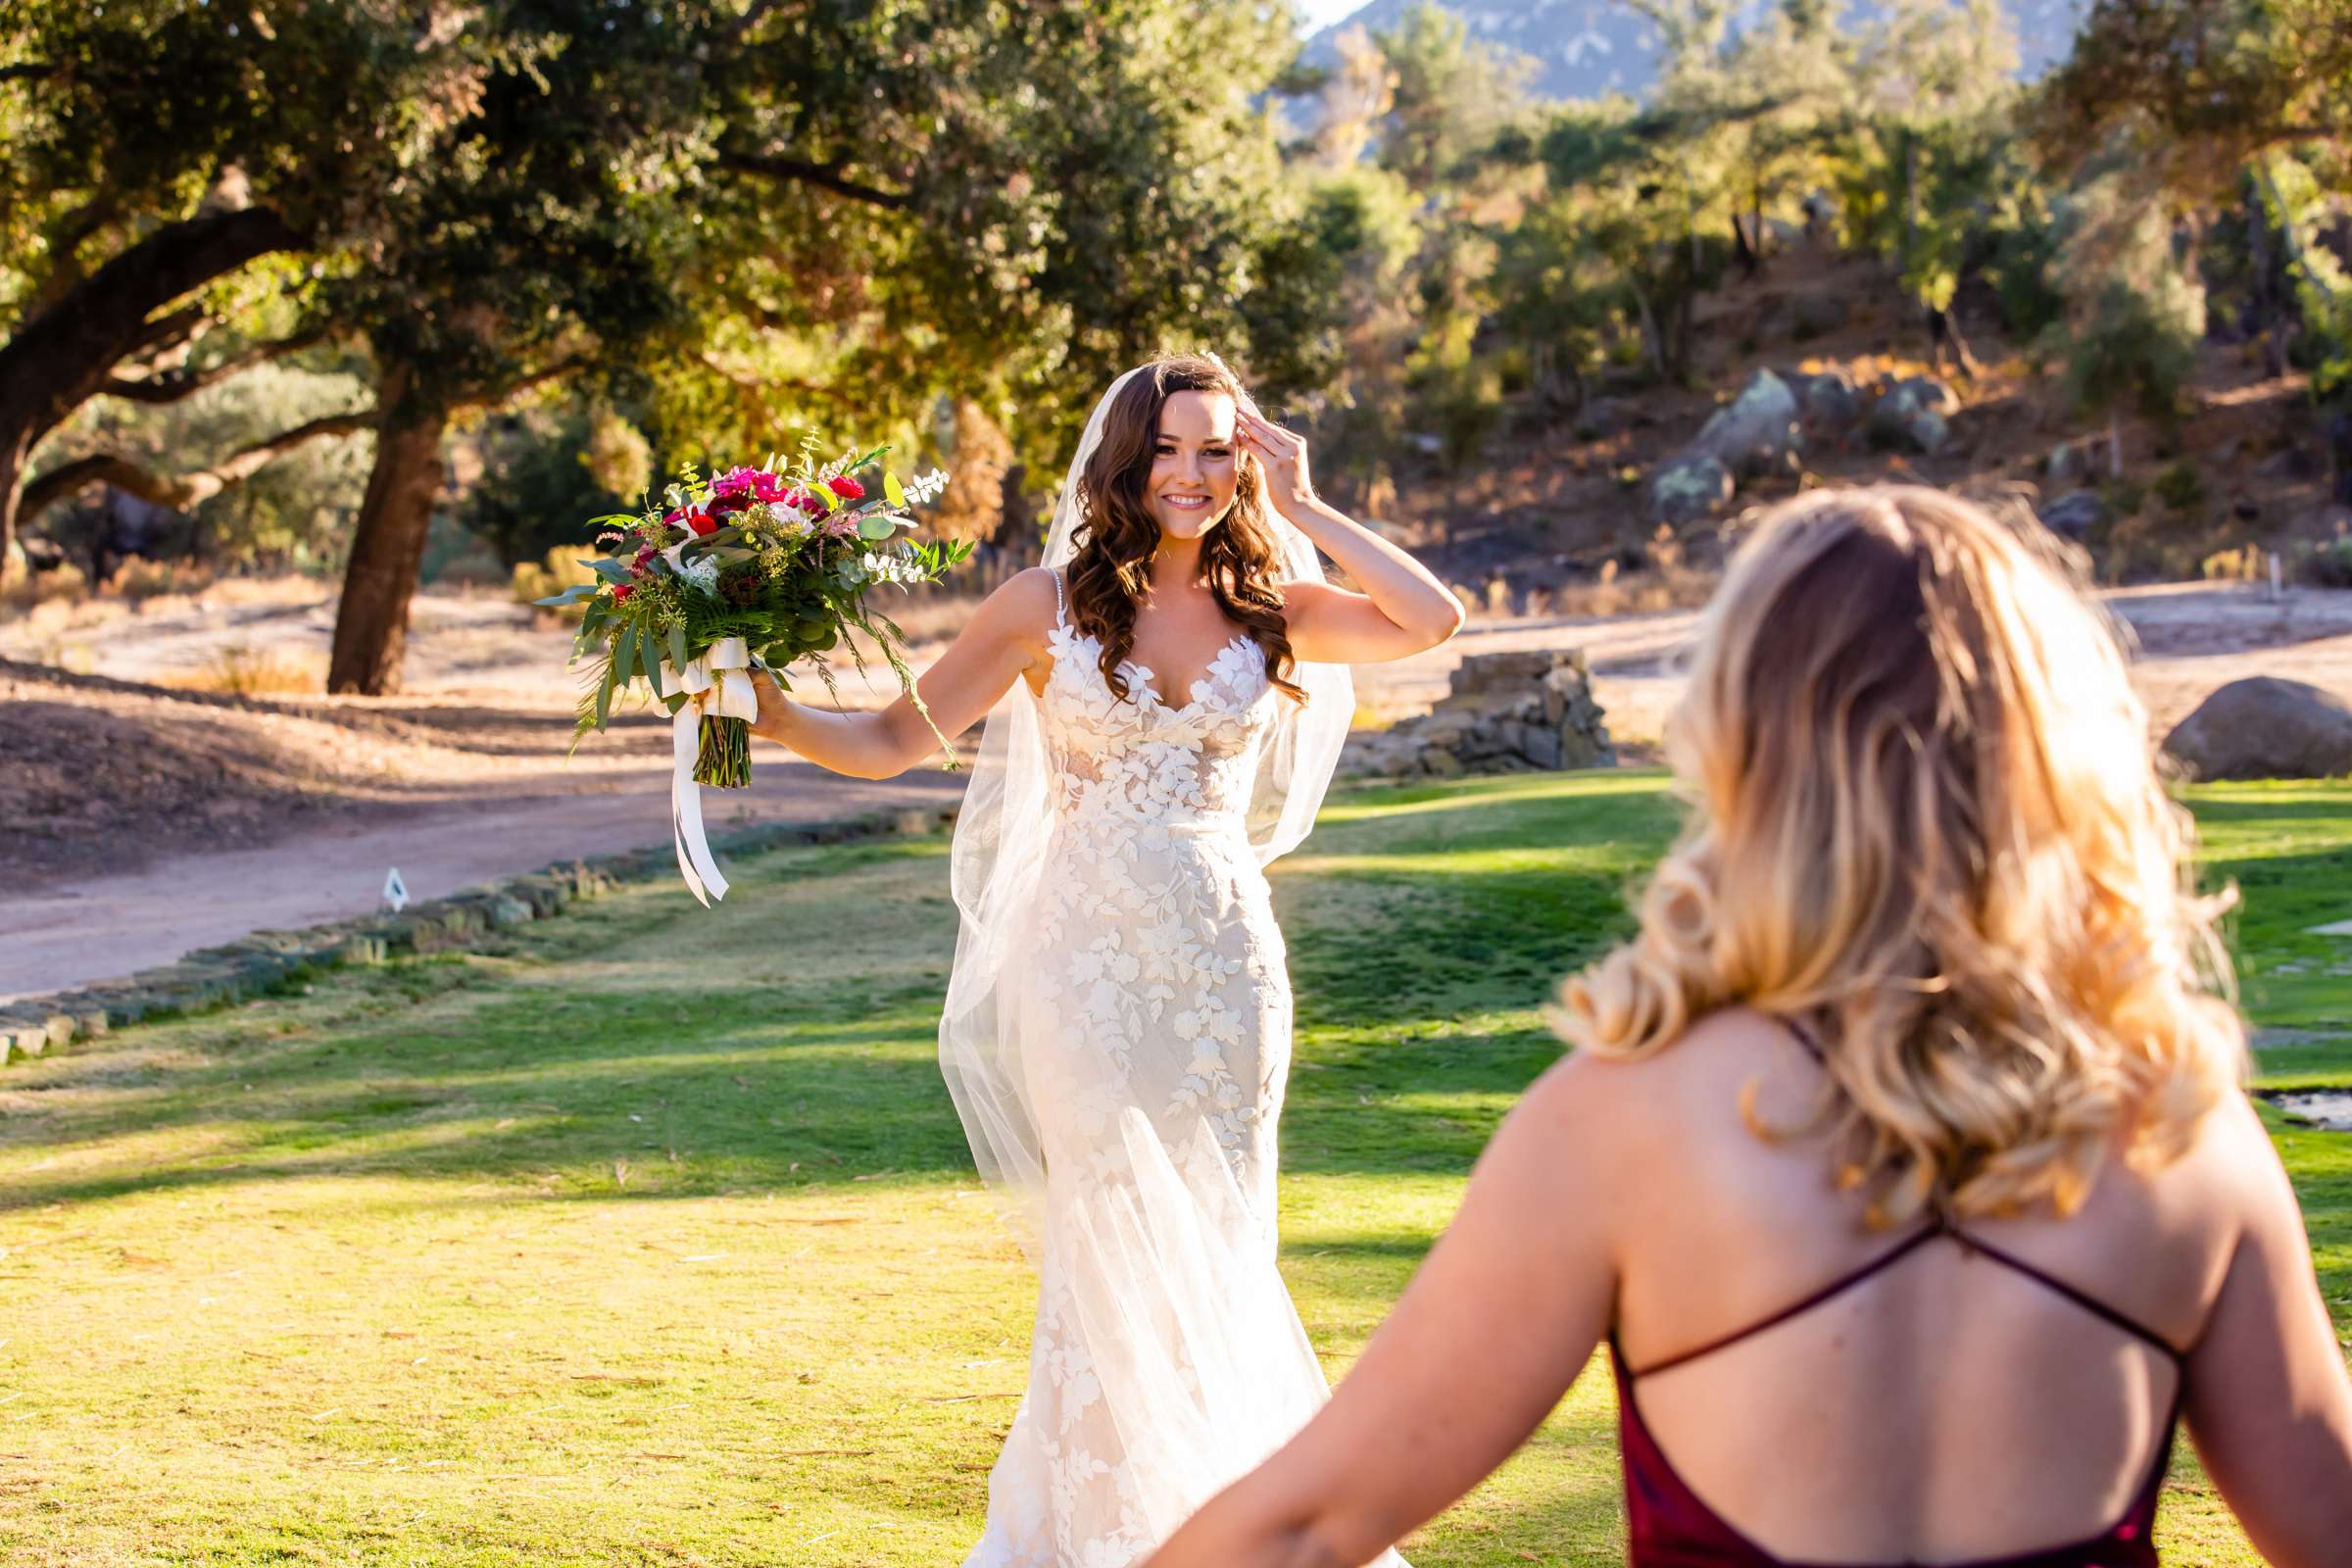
x: 543, y: 580
x: 2325, y: 565
x: 2180, y: 488
x: 2241, y: 564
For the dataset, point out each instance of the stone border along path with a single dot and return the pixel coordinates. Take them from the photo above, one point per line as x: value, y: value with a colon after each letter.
x: 210, y: 978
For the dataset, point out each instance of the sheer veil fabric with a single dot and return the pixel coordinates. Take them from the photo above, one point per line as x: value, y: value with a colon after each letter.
x: 1000, y: 837
x: 1116, y: 1036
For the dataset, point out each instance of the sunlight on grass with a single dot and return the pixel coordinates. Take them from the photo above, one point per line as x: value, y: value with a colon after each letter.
x: 650, y: 1236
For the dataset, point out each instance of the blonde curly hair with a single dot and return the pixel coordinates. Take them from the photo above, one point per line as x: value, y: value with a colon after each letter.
x: 1926, y: 817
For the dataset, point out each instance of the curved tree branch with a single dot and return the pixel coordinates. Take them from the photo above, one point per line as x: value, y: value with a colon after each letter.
x: 824, y: 177
x: 186, y: 490
x: 172, y: 386
x: 61, y: 358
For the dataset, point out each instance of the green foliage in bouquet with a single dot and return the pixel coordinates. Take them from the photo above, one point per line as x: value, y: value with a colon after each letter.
x: 782, y: 559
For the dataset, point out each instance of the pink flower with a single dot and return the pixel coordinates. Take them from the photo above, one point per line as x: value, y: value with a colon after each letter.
x: 848, y: 489
x: 756, y: 484
x: 840, y: 525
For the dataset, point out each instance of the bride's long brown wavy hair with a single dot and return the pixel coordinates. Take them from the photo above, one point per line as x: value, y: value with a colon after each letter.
x: 1111, y: 571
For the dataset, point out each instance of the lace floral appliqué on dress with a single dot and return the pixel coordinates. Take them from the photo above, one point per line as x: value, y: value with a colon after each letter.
x: 1153, y: 1015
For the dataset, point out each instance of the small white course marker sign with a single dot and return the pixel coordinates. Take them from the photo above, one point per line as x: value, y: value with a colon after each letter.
x: 396, y: 892
x: 2341, y: 928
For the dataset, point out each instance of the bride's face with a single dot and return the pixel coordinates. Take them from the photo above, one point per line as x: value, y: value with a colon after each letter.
x: 1194, y: 464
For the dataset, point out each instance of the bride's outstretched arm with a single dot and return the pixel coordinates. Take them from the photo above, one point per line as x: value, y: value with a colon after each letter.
x: 1004, y: 637
x: 1404, y: 607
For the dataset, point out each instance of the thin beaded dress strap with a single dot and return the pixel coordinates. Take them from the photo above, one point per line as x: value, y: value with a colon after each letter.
x: 1061, y: 608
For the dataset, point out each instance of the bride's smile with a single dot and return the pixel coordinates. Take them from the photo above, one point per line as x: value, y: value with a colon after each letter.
x: 1196, y: 464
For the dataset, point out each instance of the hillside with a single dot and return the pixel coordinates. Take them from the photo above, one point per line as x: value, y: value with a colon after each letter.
x: 1556, y: 517
x: 1595, y: 48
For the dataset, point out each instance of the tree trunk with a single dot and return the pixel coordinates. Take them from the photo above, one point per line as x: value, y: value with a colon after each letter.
x: 1943, y: 332
x: 62, y: 357
x: 12, y: 467
x: 1651, y: 335
x: 2115, y: 445
x: 371, y: 623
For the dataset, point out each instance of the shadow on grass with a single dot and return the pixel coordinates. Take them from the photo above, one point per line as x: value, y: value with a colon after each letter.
x: 787, y: 1040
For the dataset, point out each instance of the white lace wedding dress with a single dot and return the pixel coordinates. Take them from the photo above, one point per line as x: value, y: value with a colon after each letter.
x: 1153, y: 1017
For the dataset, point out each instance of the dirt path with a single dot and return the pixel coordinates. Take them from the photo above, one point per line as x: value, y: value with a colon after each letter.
x: 147, y: 820
x: 71, y: 933
x: 2191, y: 638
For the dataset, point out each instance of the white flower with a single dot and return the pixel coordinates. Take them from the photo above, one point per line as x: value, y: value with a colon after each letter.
x: 703, y: 572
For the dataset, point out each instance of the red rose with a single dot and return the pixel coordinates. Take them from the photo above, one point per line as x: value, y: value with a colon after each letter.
x: 622, y: 592
x: 848, y: 489
x: 729, y: 504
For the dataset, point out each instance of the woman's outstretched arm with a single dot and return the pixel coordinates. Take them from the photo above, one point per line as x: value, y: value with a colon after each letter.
x: 1003, y: 639
x: 1404, y: 607
x: 2269, y: 1402
x: 1493, y: 1330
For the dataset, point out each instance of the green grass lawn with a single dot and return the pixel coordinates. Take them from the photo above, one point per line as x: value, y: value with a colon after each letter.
x: 651, y: 1238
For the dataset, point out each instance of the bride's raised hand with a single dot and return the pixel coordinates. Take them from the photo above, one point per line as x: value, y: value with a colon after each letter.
x: 1282, y: 454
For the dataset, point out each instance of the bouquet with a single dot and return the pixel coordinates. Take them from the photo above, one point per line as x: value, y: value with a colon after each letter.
x: 754, y: 569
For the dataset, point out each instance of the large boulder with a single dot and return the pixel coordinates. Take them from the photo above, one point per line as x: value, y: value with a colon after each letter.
x: 2075, y: 516
x: 1829, y: 405
x: 2265, y: 727
x: 1757, y: 432
x: 1916, y: 413
x: 1817, y: 314
x: 1687, y: 488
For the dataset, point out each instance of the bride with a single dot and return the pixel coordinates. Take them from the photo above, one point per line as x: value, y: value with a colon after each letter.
x: 1117, y: 1027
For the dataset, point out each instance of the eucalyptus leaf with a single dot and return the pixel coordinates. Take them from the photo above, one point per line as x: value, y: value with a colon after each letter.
x: 893, y: 489
x: 876, y: 528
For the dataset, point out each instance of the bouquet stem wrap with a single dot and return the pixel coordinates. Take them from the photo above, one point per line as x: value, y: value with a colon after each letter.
x: 718, y: 688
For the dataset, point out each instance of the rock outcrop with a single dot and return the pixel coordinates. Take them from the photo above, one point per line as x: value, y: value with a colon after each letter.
x: 1915, y: 413
x: 1506, y: 714
x: 1757, y: 432
x: 1829, y: 405
x: 1689, y: 487
x: 2075, y: 516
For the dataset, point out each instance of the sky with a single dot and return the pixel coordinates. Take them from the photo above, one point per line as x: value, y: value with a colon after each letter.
x: 1316, y: 14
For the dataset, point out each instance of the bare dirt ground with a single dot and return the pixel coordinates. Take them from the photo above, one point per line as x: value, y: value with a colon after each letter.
x: 146, y: 819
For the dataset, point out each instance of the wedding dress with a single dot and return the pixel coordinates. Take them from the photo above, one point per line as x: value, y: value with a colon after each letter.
x: 1152, y: 1016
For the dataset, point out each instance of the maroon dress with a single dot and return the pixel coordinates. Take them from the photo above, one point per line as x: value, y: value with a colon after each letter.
x: 1670, y: 1527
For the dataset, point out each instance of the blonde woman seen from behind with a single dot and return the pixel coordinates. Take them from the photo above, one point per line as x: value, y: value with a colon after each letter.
x: 1902, y: 1162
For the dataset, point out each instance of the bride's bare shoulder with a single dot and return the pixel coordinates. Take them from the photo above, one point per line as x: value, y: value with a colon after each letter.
x: 1022, y: 609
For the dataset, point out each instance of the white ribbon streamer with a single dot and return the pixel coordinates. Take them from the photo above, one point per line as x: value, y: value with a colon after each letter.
x: 717, y: 685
